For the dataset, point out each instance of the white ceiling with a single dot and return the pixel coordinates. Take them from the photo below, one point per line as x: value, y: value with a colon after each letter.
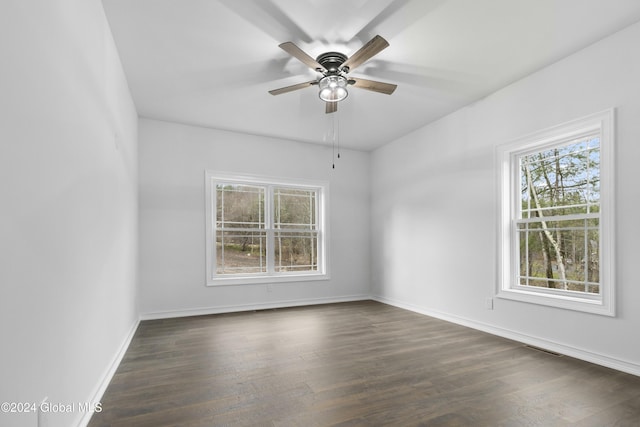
x: 212, y: 62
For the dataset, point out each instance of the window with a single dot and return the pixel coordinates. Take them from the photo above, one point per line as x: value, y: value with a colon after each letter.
x: 556, y: 216
x: 264, y: 230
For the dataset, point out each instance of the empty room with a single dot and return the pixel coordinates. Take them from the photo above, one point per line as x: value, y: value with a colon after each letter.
x: 319, y: 213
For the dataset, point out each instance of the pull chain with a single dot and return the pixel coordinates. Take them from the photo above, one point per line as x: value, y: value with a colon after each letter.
x: 335, y: 134
x: 337, y: 131
x: 333, y: 139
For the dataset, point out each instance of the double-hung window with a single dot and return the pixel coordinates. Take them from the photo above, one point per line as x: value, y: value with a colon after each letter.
x: 556, y: 222
x: 263, y: 230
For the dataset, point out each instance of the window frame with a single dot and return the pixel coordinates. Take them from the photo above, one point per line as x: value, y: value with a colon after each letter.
x: 507, y: 159
x: 212, y: 178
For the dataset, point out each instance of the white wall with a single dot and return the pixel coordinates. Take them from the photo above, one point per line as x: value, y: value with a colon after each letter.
x: 173, y: 160
x: 434, y: 206
x: 68, y: 195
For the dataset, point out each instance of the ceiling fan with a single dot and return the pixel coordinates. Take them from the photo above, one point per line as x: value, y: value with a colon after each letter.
x: 335, y: 67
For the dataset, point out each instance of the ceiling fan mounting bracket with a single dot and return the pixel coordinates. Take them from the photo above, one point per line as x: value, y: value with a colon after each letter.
x: 332, y: 62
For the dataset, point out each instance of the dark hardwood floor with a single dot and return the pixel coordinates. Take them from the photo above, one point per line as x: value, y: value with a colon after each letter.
x: 353, y: 364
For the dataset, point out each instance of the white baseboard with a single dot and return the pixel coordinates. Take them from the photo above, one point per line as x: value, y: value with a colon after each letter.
x: 109, y: 373
x: 249, y: 307
x: 586, y: 355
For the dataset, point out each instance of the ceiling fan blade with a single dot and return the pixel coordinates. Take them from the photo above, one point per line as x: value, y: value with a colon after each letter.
x: 331, y: 107
x: 291, y: 88
x: 380, y: 87
x: 301, y: 55
x: 366, y: 52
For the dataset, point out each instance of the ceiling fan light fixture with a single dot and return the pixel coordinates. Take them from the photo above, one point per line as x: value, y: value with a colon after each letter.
x: 333, y: 88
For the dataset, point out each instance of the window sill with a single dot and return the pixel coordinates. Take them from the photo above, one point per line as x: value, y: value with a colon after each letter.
x: 594, y: 306
x: 254, y: 280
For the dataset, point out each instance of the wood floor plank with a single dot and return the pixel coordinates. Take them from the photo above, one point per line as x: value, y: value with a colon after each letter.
x: 353, y: 364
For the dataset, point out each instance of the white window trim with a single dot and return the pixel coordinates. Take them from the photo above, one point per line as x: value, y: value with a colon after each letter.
x: 507, y: 175
x: 322, y: 187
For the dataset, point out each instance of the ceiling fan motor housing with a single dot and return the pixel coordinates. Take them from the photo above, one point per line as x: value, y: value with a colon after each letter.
x: 332, y: 61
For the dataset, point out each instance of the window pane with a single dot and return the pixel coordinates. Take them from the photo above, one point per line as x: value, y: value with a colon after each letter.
x: 294, y: 208
x: 562, y: 180
x: 560, y: 254
x: 296, y: 251
x: 241, y: 252
x: 239, y: 206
